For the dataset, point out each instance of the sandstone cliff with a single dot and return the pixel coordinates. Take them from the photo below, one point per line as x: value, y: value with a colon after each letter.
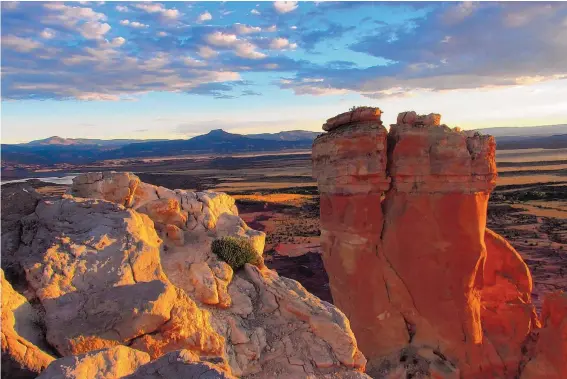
x: 123, y: 274
x: 427, y: 288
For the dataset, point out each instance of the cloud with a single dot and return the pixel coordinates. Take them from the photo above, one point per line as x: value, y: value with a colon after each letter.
x: 285, y: 6
x: 19, y: 44
x: 221, y: 39
x: 47, y: 33
x: 248, y: 50
x: 255, y: 12
x: 281, y: 44
x: 93, y: 30
x: 206, y: 16
x: 67, y: 50
x: 9, y: 5
x: 310, y: 39
x: 453, y: 47
x: 241, y: 47
x: 118, y: 41
x: 122, y: 8
x: 246, y: 29
x: 206, y: 52
x: 133, y: 24
x: 192, y: 62
x: 159, y: 9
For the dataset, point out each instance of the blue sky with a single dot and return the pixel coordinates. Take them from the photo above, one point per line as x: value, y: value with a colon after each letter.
x: 178, y: 69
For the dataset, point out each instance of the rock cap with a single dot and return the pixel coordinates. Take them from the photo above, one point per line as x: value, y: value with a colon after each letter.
x: 359, y: 114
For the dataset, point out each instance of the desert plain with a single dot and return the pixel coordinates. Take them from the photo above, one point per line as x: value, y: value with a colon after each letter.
x: 276, y: 193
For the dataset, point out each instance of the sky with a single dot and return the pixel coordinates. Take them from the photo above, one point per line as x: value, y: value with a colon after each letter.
x: 178, y: 69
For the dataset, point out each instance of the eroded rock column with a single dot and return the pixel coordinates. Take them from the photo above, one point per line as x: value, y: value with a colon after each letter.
x: 403, y: 220
x: 433, y: 238
x: 349, y: 163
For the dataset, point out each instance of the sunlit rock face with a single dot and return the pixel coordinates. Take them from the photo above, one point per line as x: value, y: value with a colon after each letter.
x: 409, y: 258
x: 127, y: 284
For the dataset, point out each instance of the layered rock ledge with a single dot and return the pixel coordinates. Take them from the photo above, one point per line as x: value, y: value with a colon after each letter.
x: 124, y: 283
x: 429, y: 290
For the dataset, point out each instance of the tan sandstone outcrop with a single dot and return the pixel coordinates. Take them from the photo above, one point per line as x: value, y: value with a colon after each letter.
x: 427, y: 288
x: 21, y: 337
x: 120, y: 262
x: 124, y: 362
x: 111, y: 363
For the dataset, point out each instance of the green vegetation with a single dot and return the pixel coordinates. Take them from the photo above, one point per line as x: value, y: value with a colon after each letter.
x: 352, y: 109
x: 235, y: 251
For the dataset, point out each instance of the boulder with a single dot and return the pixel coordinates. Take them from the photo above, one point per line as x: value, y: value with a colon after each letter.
x: 23, y: 346
x: 18, y: 201
x: 112, y: 363
x: 95, y: 268
x: 182, y: 364
x: 117, y: 187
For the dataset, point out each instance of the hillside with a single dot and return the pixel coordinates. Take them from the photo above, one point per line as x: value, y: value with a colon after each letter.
x: 217, y: 142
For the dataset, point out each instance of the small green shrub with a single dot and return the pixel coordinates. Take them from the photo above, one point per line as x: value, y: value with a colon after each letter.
x: 353, y: 108
x: 235, y: 251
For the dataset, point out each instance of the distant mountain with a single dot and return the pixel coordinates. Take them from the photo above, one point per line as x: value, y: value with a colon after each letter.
x: 215, y: 142
x: 55, y: 150
x: 60, y: 141
x: 292, y: 135
x: 544, y: 130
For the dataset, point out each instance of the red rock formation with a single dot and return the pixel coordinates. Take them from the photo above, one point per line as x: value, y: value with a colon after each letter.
x: 549, y: 358
x: 507, y: 314
x: 411, y: 262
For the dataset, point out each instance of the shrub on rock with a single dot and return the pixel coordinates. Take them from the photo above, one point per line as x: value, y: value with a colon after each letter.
x: 235, y: 251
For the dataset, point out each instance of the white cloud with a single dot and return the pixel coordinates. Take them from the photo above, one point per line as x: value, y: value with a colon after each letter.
x: 281, y: 44
x: 159, y: 8
x: 206, y: 16
x: 133, y: 24
x: 206, y: 52
x: 241, y: 48
x: 69, y: 15
x: 86, y: 21
x: 255, y: 12
x: 118, y: 41
x: 285, y: 6
x: 162, y: 34
x: 221, y: 39
x: 293, y: 27
x: 122, y: 8
x: 271, y: 66
x: 93, y: 96
x: 19, y: 44
x: 248, y: 50
x: 47, y: 33
x: 93, y: 29
x: 171, y: 14
x: 246, y: 29
x: 271, y: 29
